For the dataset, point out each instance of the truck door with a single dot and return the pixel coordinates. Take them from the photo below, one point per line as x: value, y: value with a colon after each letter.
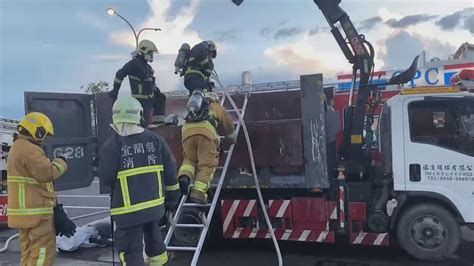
x: 74, y: 131
x: 439, y: 149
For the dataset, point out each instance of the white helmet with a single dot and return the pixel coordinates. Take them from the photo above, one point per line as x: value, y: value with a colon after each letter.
x: 212, y: 48
x: 147, y: 48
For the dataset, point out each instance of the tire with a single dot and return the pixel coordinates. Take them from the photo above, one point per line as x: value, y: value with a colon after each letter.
x: 428, y: 232
x: 187, y: 237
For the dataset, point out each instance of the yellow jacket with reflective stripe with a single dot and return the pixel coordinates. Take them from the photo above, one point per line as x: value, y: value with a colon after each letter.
x: 205, y: 128
x: 31, y: 195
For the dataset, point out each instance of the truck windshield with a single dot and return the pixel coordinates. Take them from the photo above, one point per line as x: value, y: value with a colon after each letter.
x: 445, y: 122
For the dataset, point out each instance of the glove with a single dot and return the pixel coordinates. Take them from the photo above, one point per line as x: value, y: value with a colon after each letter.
x: 64, y: 156
x: 184, y: 182
x: 113, y: 94
x: 232, y: 138
x: 62, y: 224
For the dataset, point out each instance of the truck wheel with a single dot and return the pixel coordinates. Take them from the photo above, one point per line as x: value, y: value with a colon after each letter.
x: 188, y: 237
x: 428, y: 232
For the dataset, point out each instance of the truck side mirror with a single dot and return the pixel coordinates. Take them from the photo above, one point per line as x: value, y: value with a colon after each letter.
x: 406, y: 75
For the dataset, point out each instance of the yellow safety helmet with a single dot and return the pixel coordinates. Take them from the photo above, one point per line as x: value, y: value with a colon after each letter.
x: 37, y: 125
x: 212, y: 97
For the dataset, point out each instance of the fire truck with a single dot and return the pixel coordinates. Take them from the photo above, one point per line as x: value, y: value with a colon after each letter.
x: 375, y: 166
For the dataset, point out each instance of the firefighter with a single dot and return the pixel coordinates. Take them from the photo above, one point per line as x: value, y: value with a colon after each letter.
x: 31, y: 194
x: 140, y: 171
x: 142, y: 84
x: 199, y: 67
x: 200, y: 142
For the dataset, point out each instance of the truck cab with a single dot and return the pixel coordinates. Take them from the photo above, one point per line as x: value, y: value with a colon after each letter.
x: 426, y: 136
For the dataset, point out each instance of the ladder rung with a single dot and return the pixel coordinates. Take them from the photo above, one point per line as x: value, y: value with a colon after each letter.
x: 196, y: 204
x: 220, y: 167
x: 175, y: 248
x: 189, y: 225
x: 226, y: 151
x: 233, y: 110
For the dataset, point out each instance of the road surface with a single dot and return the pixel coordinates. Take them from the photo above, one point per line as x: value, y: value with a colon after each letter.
x: 80, y: 202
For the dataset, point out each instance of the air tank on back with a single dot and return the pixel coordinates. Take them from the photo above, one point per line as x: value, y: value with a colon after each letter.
x: 181, y: 58
x: 195, y: 101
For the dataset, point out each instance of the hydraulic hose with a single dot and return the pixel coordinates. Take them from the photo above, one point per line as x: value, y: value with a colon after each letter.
x: 254, y: 170
x: 7, y: 243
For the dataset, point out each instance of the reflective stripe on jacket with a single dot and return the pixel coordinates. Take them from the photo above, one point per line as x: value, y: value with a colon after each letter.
x: 153, y: 171
x: 141, y: 77
x: 31, y: 195
x: 141, y: 172
x: 199, y: 62
x: 205, y: 128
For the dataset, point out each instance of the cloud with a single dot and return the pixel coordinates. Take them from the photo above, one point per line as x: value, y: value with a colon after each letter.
x: 313, y: 32
x: 228, y: 35
x: 92, y: 20
x: 450, y: 21
x: 394, y: 52
x: 435, y: 47
x: 306, y: 55
x: 174, y: 32
x: 287, y: 32
x: 110, y: 57
x: 409, y: 20
x: 265, y: 31
x: 369, y: 23
x: 469, y: 24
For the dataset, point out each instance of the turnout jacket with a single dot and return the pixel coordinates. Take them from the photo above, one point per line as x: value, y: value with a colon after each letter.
x: 220, y: 121
x: 141, y: 173
x: 140, y: 75
x: 198, y: 62
x: 31, y: 194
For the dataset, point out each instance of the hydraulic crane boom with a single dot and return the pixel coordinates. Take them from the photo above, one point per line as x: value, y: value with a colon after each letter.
x: 362, y: 61
x: 355, y: 50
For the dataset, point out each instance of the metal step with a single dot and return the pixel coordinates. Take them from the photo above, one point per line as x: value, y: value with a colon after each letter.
x: 205, y: 216
x: 196, y: 204
x: 175, y: 248
x: 190, y: 225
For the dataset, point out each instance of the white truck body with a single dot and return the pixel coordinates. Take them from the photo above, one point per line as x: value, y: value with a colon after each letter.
x: 444, y: 171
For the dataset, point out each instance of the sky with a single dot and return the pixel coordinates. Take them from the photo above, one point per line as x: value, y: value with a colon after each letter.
x: 59, y: 46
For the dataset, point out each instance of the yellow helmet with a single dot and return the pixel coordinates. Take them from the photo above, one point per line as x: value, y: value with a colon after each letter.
x: 38, y: 125
x: 212, y: 97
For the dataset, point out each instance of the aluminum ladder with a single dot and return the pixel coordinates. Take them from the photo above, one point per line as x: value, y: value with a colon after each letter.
x: 205, y: 219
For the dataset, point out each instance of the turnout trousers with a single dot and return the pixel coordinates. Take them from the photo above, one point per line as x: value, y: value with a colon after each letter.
x: 200, y: 159
x: 154, y: 109
x: 129, y: 243
x: 38, y: 244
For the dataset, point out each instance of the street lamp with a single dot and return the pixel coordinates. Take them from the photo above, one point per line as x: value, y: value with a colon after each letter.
x: 112, y: 12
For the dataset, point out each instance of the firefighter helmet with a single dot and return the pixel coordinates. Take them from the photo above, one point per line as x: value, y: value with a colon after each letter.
x: 147, y: 48
x: 38, y: 125
x: 127, y: 110
x: 212, y: 97
x: 212, y: 48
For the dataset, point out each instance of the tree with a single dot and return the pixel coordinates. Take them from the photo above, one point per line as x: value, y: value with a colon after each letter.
x: 96, y: 87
